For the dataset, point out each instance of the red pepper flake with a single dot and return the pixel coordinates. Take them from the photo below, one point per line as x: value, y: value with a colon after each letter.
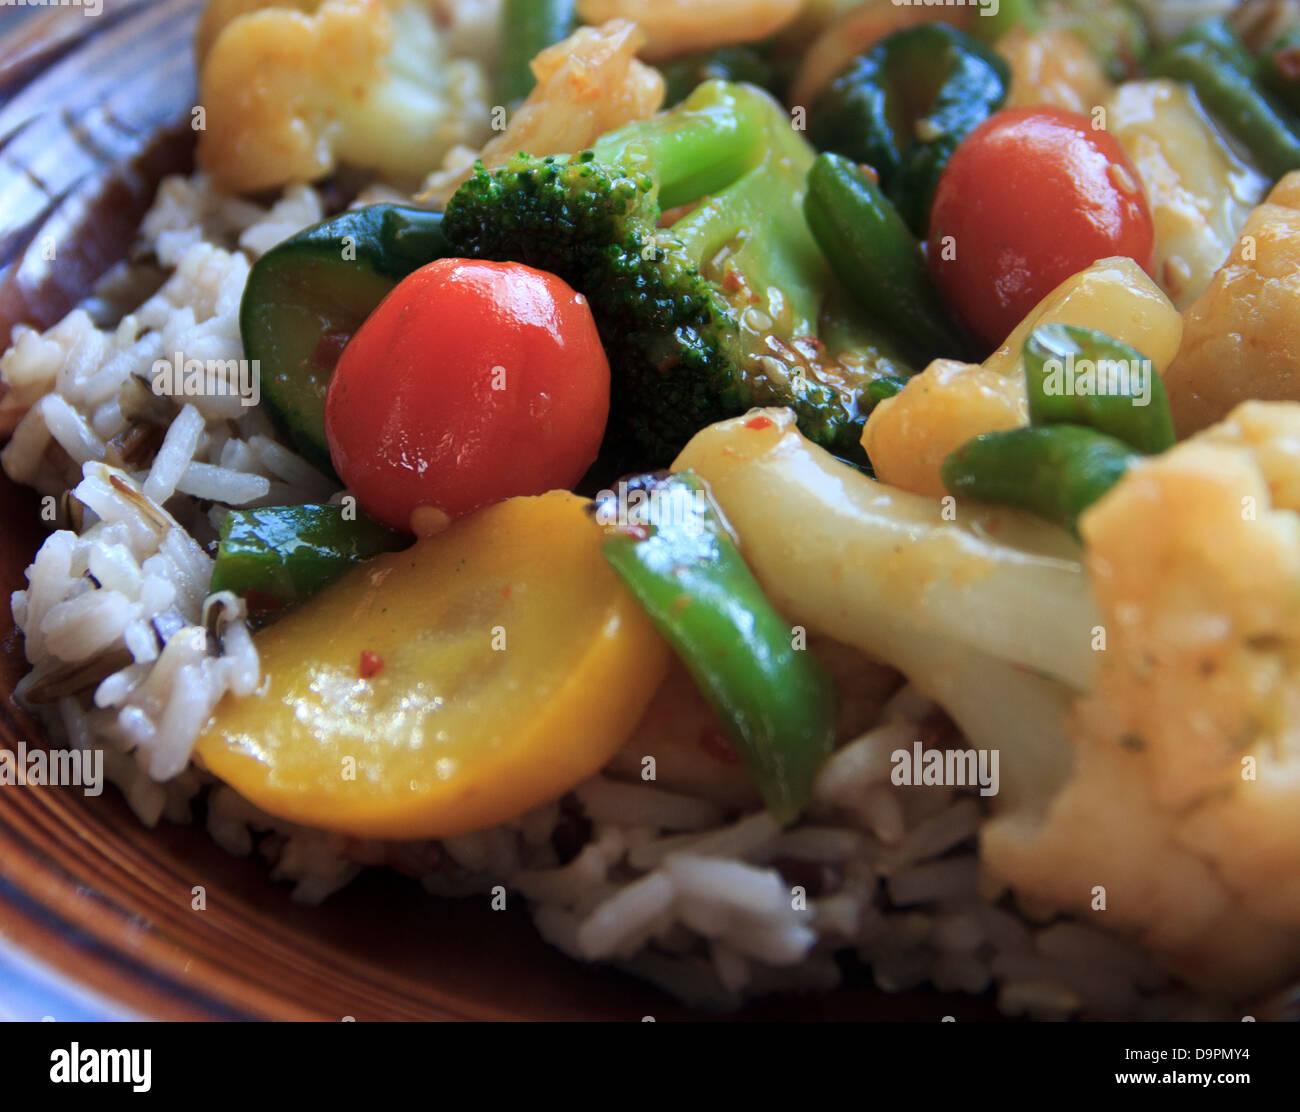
x: 718, y: 746
x: 371, y: 664
x: 870, y: 171
x: 759, y: 422
x: 507, y: 591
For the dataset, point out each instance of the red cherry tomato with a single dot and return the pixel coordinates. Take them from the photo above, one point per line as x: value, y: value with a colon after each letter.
x: 471, y: 383
x: 1032, y: 196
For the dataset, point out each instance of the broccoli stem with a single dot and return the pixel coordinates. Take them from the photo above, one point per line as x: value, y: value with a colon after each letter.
x: 691, y: 153
x: 783, y: 270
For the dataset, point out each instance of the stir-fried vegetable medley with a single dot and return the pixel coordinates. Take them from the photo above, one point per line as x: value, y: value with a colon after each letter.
x: 914, y: 316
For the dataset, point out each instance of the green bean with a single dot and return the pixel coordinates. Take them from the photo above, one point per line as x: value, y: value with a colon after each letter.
x: 877, y: 258
x: 905, y: 105
x: 1083, y: 377
x: 1054, y: 471
x: 528, y: 27
x: 1214, y: 62
x: 1217, y: 36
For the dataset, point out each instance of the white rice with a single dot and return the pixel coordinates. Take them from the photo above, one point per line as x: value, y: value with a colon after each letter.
x: 133, y: 580
x: 129, y: 653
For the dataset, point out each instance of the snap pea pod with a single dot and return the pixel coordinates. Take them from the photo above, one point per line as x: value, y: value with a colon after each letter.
x: 877, y: 258
x: 308, y: 295
x: 1212, y: 59
x: 279, y: 556
x: 528, y: 27
x: 905, y: 105
x: 1054, y: 471
x: 1084, y: 377
x: 776, y: 702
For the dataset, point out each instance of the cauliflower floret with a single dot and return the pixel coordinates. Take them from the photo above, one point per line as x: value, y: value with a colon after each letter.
x: 218, y: 13
x: 291, y: 89
x: 907, y: 437
x: 587, y: 85
x: 1242, y: 336
x: 1184, y: 804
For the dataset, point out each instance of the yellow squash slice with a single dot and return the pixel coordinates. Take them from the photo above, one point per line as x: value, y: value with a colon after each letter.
x: 446, y: 688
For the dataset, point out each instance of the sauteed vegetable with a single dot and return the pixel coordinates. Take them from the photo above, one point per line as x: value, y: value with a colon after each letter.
x: 790, y: 484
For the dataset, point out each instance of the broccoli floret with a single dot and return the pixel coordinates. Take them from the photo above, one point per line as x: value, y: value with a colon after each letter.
x: 727, y: 308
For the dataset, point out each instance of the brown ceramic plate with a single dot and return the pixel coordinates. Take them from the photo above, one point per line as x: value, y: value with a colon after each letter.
x: 95, y: 910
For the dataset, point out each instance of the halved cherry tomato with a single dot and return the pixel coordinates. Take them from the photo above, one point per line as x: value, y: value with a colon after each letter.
x: 472, y: 382
x: 1031, y: 197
